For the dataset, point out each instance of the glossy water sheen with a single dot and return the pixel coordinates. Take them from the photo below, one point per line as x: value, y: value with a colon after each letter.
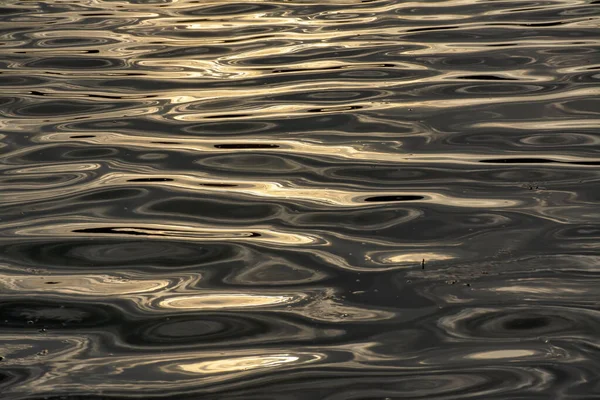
x: 336, y: 199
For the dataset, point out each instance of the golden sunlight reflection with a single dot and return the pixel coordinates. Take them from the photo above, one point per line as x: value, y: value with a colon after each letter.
x: 554, y: 289
x: 161, y: 231
x: 235, y: 364
x: 224, y: 301
x: 546, y: 125
x: 280, y: 199
x: 330, y: 309
x: 338, y: 197
x: 356, y: 151
x: 89, y: 285
x: 411, y: 258
x: 501, y: 354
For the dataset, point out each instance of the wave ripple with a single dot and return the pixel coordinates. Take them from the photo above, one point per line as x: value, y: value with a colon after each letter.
x: 275, y: 199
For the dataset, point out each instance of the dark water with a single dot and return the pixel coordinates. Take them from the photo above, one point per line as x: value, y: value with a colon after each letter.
x: 334, y: 199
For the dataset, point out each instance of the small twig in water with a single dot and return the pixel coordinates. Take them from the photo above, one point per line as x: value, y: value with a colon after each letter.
x: 423, y: 264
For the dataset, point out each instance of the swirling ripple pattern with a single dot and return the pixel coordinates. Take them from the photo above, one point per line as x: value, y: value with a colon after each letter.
x: 299, y: 199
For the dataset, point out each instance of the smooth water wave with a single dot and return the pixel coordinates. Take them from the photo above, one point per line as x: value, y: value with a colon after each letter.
x: 272, y: 199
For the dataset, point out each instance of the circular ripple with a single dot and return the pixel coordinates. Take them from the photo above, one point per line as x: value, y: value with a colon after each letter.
x: 200, y: 329
x: 113, y: 253
x: 484, y: 323
x: 552, y: 140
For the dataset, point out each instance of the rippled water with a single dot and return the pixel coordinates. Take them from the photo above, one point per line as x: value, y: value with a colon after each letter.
x: 276, y: 199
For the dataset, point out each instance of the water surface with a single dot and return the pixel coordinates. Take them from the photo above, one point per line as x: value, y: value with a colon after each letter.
x: 289, y: 200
